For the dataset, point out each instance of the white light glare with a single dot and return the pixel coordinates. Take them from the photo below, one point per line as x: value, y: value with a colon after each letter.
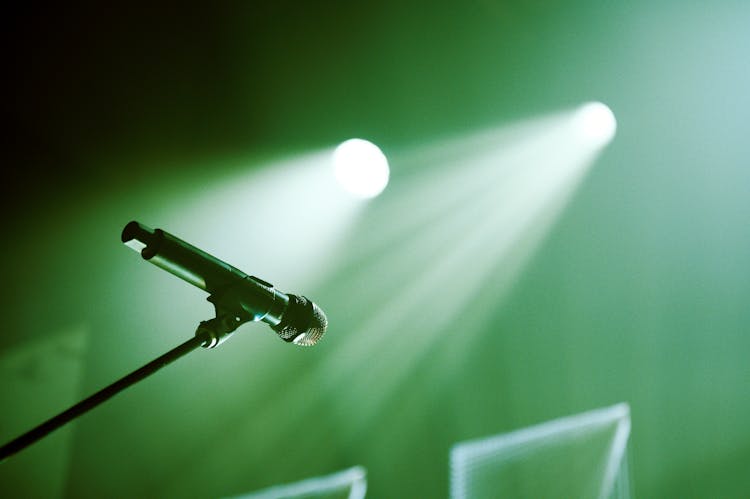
x: 596, y: 123
x: 361, y: 168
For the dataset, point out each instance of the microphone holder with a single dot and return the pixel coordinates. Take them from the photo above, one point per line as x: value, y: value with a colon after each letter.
x: 209, y: 334
x: 229, y: 316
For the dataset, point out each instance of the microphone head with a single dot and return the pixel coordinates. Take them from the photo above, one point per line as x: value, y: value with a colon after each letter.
x: 303, y: 322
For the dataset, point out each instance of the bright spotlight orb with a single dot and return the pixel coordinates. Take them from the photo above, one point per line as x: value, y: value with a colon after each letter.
x: 596, y: 122
x: 361, y: 168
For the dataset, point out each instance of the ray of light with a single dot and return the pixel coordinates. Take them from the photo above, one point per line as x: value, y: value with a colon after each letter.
x: 449, y: 234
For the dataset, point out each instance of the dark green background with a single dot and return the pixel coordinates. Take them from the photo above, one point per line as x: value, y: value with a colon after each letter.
x: 638, y: 294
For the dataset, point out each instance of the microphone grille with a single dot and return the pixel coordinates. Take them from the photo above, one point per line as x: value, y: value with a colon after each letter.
x: 303, y: 323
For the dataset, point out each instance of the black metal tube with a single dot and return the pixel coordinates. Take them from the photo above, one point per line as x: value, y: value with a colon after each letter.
x: 102, y: 395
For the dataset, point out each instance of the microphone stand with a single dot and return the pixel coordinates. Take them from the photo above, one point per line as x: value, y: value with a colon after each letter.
x: 209, y: 334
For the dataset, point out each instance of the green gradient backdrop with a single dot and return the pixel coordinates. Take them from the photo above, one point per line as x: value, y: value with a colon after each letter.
x: 638, y: 294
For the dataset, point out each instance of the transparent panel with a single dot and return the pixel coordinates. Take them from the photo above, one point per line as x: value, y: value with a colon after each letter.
x: 347, y: 484
x: 40, y: 378
x: 582, y: 456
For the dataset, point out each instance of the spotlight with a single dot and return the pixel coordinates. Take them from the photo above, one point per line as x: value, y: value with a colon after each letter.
x: 596, y: 123
x: 361, y: 168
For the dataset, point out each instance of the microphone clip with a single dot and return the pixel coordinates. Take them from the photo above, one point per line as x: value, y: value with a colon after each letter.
x: 217, y: 330
x: 229, y: 316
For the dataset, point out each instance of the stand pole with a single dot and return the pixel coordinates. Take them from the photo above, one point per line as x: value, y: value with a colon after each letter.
x: 102, y: 395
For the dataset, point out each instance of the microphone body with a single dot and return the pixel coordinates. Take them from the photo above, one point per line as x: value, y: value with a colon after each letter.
x: 238, y: 297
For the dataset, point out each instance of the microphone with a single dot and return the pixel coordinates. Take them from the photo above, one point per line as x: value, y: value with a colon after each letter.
x: 238, y: 297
